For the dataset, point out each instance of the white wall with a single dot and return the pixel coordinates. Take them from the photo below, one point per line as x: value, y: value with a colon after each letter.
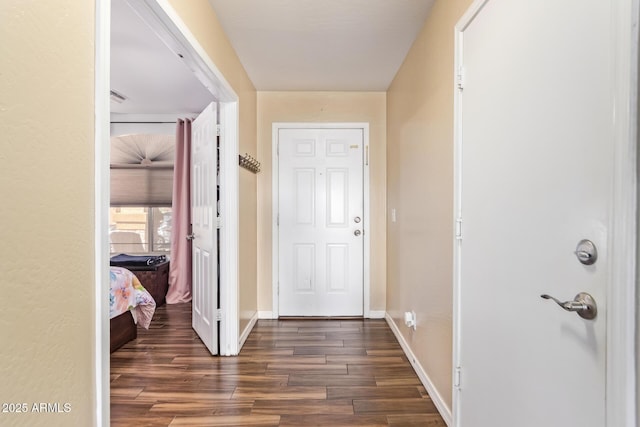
x: 638, y: 259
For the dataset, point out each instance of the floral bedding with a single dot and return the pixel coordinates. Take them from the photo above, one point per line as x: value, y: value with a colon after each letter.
x: 127, y: 293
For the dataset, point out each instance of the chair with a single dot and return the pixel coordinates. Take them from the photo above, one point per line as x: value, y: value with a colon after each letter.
x: 126, y: 242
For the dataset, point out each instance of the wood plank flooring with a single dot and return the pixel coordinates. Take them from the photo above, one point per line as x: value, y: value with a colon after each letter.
x: 289, y: 373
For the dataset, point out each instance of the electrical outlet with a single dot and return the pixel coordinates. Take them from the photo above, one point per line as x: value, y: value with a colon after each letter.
x: 410, y: 319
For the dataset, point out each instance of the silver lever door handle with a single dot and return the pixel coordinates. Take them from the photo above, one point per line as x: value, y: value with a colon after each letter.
x: 191, y: 236
x: 583, y: 304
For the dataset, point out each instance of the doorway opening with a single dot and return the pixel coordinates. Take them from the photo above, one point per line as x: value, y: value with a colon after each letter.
x: 167, y: 26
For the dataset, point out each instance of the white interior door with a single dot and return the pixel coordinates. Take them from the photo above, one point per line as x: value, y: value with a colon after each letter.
x: 204, y: 227
x: 321, y: 222
x: 536, y: 178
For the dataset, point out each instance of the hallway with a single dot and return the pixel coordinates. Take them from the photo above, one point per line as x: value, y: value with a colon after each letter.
x: 289, y: 373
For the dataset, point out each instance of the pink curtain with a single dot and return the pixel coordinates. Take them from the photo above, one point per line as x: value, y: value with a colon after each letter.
x: 180, y: 267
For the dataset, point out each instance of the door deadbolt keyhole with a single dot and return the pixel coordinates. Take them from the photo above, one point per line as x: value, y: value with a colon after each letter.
x: 586, y: 252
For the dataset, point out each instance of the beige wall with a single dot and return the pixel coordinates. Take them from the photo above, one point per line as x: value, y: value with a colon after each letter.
x: 203, y: 23
x: 420, y: 187
x: 46, y: 214
x: 323, y: 107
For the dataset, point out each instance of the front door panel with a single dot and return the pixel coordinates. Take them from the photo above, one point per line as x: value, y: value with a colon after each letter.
x: 320, y: 216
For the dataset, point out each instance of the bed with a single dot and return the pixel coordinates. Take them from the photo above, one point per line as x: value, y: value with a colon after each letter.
x: 151, y: 270
x: 129, y: 305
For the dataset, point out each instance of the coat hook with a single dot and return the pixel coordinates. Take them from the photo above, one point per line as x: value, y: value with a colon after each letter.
x: 249, y: 162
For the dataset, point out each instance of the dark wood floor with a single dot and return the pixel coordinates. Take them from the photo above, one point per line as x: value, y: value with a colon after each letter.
x: 289, y: 373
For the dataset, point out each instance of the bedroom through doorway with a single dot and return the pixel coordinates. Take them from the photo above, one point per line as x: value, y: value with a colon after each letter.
x: 158, y: 75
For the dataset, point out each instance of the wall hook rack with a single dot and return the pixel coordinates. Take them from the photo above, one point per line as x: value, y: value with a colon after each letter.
x: 249, y: 163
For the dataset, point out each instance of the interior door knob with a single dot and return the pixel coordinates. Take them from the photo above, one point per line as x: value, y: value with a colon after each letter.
x: 583, y: 304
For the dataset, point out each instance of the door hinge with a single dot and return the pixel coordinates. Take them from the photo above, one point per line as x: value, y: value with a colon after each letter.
x: 217, y: 130
x: 459, y: 228
x: 457, y: 377
x: 460, y: 78
x: 218, y: 222
x: 219, y: 315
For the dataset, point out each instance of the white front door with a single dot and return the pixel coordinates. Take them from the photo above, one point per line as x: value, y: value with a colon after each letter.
x: 535, y: 171
x: 204, y: 227
x: 321, y: 222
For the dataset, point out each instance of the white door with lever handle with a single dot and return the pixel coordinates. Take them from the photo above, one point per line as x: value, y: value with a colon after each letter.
x: 534, y: 178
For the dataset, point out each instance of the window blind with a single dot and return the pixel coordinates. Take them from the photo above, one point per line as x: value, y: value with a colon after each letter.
x: 142, y: 169
x: 141, y: 186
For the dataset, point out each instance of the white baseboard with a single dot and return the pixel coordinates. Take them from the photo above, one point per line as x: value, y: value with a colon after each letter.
x: 373, y: 314
x: 247, y: 331
x: 379, y: 314
x: 265, y: 315
x: 442, y: 407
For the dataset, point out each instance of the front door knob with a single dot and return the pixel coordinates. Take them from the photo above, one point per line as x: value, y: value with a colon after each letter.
x: 583, y: 304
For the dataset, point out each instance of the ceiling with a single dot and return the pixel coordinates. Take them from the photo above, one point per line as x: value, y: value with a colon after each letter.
x: 143, y: 69
x: 284, y: 45
x: 343, y: 45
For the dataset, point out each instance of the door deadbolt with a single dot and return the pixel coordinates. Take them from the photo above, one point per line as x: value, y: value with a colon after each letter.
x: 357, y: 220
x: 586, y: 252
